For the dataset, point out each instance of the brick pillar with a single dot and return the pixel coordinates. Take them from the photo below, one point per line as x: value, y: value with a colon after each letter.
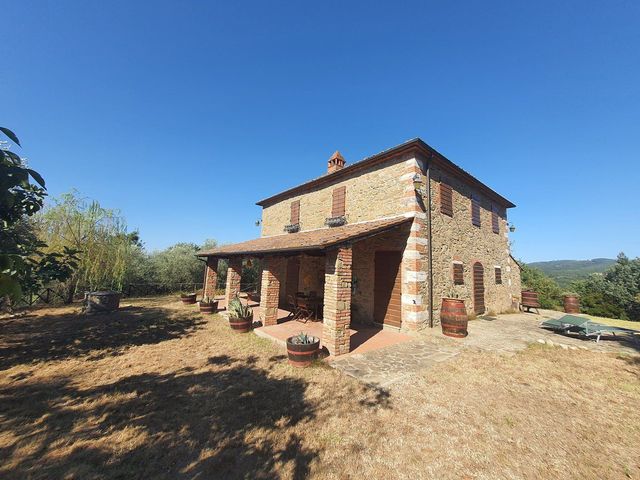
x: 233, y: 278
x: 337, y: 301
x: 273, y: 272
x: 210, y: 277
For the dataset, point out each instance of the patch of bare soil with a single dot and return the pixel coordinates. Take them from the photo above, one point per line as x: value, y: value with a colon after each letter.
x: 159, y: 391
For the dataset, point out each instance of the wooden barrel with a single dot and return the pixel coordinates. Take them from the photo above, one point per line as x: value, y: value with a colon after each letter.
x: 530, y: 299
x: 453, y: 318
x: 301, y: 355
x: 208, y: 307
x: 571, y: 304
x: 188, y: 299
x: 241, y: 325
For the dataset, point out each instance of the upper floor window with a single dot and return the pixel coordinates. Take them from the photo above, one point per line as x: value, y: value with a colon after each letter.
x: 295, y: 213
x: 475, y: 211
x: 495, y: 220
x: 338, y: 203
x: 446, y: 199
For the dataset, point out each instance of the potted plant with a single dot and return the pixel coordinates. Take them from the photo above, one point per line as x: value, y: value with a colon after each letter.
x: 208, y: 305
x: 335, y: 221
x: 302, y: 349
x: 453, y: 317
x: 240, y: 315
x: 188, y: 298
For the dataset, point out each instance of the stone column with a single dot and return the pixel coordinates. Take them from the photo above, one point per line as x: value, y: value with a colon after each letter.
x: 273, y: 272
x: 233, y: 279
x: 415, y: 259
x: 337, y: 301
x: 210, y: 277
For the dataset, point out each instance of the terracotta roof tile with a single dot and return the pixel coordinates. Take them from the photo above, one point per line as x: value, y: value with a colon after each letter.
x: 306, y: 240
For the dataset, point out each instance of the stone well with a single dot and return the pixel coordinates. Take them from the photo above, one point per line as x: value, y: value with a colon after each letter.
x: 103, y: 301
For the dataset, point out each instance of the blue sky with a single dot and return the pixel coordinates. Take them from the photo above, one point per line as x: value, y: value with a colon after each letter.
x: 183, y: 114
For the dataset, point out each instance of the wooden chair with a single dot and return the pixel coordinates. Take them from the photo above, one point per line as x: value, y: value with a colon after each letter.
x: 293, y: 307
x: 303, y: 310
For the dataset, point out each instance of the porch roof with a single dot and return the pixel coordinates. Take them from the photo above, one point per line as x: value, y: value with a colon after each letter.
x: 306, y: 240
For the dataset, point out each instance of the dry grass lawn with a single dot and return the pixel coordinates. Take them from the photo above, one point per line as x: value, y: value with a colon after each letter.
x: 158, y: 391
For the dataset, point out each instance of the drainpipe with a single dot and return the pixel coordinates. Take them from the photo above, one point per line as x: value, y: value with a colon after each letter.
x: 430, y: 242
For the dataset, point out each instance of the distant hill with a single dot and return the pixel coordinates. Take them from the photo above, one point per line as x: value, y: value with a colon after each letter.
x: 566, y: 271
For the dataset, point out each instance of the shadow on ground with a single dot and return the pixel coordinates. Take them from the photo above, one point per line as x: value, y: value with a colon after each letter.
x: 55, y: 337
x: 232, y: 423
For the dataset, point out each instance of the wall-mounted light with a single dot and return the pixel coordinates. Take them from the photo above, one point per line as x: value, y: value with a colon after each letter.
x: 258, y: 222
x: 418, y: 184
x: 512, y: 227
x: 248, y: 264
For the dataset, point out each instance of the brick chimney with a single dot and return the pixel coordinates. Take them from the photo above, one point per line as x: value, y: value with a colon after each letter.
x: 336, y: 162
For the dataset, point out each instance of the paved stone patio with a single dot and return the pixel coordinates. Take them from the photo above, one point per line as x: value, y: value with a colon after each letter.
x: 504, y: 334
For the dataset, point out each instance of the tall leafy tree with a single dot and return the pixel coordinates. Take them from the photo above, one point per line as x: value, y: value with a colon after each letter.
x: 99, y: 235
x: 19, y: 198
x: 616, y: 293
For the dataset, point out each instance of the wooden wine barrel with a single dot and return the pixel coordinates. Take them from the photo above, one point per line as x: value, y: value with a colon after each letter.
x: 189, y: 299
x: 241, y: 325
x: 302, y: 355
x: 453, y: 318
x: 571, y: 304
x: 208, y: 307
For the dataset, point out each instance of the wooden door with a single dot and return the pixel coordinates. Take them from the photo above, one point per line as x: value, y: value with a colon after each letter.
x: 387, y: 296
x: 478, y: 288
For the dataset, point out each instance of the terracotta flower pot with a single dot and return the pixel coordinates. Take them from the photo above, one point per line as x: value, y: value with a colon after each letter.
x: 301, y: 355
x: 241, y: 325
x: 208, y: 307
x: 189, y: 299
x: 453, y: 318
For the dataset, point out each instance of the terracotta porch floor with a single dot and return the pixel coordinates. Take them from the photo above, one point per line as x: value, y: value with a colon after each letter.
x: 363, y: 337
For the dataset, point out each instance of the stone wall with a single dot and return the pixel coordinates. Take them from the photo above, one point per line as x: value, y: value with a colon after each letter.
x: 371, y: 194
x: 311, y: 274
x: 456, y: 239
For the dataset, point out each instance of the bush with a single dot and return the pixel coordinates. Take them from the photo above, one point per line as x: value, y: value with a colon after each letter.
x: 616, y: 293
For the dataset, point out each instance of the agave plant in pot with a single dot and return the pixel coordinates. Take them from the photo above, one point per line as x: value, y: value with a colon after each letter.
x: 302, y: 349
x: 208, y: 305
x: 188, y: 298
x: 240, y: 316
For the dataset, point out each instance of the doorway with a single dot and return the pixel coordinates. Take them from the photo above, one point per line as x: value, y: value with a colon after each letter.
x: 478, y: 288
x: 387, y: 291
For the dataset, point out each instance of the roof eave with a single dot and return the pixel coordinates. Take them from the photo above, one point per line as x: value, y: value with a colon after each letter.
x: 414, y: 144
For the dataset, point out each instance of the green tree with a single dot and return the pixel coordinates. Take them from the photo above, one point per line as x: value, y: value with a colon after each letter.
x: 548, y: 290
x: 19, y: 198
x: 178, y: 264
x: 99, y: 235
x: 616, y: 293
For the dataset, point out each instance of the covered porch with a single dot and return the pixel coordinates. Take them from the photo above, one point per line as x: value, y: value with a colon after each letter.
x: 332, y: 271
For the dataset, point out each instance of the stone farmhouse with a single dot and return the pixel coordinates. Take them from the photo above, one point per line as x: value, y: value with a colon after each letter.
x: 380, y: 241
